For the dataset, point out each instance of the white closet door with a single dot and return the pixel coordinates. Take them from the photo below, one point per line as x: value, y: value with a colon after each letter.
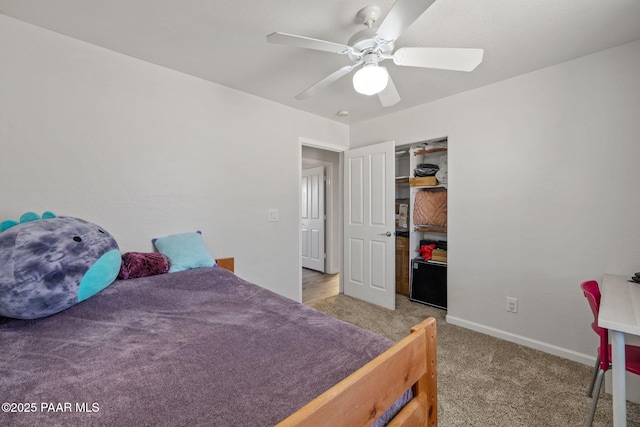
x: 369, y: 224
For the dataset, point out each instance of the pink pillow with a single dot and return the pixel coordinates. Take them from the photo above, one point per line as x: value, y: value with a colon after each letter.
x: 140, y: 264
x: 430, y: 208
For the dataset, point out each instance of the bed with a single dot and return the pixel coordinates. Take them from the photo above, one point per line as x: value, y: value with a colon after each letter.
x: 204, y: 347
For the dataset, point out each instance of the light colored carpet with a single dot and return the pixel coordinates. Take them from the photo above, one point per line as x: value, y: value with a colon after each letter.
x: 486, y: 381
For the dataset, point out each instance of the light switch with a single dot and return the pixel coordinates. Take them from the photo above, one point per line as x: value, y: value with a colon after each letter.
x: 274, y: 215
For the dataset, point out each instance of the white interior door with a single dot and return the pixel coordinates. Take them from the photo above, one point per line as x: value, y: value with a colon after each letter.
x: 312, y: 218
x: 369, y: 224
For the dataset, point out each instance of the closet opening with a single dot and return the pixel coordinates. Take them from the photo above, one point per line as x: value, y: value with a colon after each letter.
x: 421, y: 221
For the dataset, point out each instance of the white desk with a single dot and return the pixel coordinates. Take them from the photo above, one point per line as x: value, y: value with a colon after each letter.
x: 620, y: 313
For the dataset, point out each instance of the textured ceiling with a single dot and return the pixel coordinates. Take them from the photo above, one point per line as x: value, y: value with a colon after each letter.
x: 224, y: 41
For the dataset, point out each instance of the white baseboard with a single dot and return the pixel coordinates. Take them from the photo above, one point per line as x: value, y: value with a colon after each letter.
x: 527, y: 342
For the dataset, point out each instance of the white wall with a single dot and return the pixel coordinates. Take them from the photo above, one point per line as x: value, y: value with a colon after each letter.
x: 145, y: 151
x: 543, y: 193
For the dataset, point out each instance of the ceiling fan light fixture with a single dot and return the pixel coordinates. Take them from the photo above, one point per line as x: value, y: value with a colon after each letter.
x: 370, y: 79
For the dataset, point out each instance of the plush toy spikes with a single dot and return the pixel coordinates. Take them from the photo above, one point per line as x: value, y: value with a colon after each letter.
x: 29, y: 216
x: 26, y: 217
x: 5, y: 225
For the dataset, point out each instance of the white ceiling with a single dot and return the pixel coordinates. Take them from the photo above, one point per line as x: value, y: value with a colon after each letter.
x: 224, y: 41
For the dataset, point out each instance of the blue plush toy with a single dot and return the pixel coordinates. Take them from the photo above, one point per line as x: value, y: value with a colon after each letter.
x: 49, y: 263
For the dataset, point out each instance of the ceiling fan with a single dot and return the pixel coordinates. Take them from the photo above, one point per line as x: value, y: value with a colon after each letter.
x: 371, y: 46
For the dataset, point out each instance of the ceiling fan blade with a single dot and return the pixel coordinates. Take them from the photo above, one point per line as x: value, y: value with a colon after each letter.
x: 458, y: 59
x: 310, y: 91
x: 402, y: 14
x: 389, y: 96
x: 307, y: 43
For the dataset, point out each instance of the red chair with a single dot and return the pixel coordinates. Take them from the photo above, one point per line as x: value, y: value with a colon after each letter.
x: 603, y: 360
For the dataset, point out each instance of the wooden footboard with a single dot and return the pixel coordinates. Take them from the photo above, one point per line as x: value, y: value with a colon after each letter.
x: 363, y: 396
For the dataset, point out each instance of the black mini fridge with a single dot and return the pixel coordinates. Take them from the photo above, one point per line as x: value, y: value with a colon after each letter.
x: 428, y: 283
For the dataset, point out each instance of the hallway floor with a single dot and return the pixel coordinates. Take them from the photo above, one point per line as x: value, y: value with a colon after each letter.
x: 317, y: 286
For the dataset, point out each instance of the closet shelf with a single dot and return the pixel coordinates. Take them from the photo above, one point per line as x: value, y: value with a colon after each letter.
x: 429, y: 151
x: 427, y: 187
x: 402, y: 180
x: 429, y: 229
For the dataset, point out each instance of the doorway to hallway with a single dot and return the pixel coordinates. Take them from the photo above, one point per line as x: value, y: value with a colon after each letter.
x: 317, y: 286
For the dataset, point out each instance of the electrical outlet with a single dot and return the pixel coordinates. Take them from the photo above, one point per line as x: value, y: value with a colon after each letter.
x: 512, y: 305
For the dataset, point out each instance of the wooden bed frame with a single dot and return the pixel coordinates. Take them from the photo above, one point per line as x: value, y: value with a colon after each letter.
x: 364, y: 395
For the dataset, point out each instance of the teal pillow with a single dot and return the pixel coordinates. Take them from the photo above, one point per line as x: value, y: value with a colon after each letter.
x: 185, y: 251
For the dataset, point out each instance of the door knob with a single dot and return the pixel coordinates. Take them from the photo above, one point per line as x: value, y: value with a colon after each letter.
x: 388, y: 234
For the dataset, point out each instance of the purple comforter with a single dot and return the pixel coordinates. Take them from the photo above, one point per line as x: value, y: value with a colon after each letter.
x: 199, y: 347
